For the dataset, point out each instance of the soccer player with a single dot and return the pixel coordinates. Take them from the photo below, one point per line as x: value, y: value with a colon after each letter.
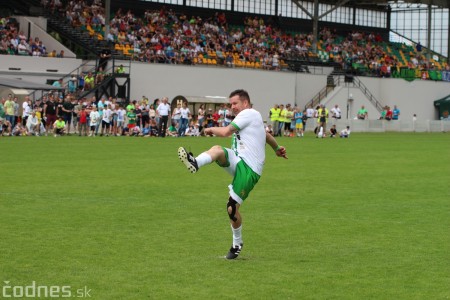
x: 244, y: 161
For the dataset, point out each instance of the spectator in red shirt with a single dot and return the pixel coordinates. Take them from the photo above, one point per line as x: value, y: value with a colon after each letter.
x: 384, y: 70
x: 216, y: 117
x: 388, y: 114
x: 82, y: 127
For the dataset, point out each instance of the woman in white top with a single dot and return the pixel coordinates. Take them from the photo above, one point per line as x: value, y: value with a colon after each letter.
x: 201, y: 116
x: 152, y: 112
x: 177, y: 114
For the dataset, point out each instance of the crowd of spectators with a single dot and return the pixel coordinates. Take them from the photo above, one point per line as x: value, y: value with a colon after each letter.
x: 163, y: 36
x: 58, y: 115
x: 368, y: 50
x: 15, y: 42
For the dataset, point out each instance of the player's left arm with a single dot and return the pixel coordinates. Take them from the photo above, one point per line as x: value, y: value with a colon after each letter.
x: 279, y: 150
x: 221, y: 131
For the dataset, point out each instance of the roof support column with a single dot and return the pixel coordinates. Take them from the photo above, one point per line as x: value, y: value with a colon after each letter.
x: 448, y: 40
x: 107, y: 17
x: 315, y: 26
x: 429, y: 32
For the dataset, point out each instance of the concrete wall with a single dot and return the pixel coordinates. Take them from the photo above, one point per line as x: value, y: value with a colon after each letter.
x: 340, y: 96
x: 411, y: 98
x: 35, y: 69
x: 265, y: 88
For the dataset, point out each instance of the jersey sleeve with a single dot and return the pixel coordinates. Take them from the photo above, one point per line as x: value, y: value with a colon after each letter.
x: 243, y: 119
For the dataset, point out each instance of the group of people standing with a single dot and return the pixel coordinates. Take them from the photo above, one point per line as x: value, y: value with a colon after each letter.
x: 286, y: 121
x: 86, y: 117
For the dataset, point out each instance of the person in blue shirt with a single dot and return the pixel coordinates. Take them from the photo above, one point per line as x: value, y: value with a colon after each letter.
x: 395, y: 113
x: 298, y: 117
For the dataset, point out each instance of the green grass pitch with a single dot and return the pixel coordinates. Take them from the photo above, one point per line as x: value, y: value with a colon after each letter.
x: 359, y: 218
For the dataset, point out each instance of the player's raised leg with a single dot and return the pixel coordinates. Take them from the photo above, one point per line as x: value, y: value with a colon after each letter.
x: 216, y: 153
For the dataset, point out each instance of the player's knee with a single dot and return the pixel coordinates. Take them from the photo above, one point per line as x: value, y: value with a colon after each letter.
x: 216, y: 148
x: 231, y: 209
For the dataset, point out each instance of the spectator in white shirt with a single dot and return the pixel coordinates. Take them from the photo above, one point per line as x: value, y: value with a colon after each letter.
x: 163, y: 111
x: 32, y: 124
x: 345, y: 133
x: 185, y: 113
x: 336, y: 112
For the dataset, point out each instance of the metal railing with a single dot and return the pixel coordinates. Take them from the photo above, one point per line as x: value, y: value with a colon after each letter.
x: 323, y: 93
x: 357, y: 82
x: 86, y: 67
x: 337, y: 81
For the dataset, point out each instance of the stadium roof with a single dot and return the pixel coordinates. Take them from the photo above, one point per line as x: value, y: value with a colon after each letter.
x: 27, y: 85
x: 392, y: 3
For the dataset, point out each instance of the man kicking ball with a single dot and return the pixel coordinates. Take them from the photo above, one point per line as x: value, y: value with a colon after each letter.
x: 244, y: 161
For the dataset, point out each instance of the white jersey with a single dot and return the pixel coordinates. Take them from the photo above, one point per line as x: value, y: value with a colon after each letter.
x: 94, y: 116
x: 249, y: 142
x: 120, y: 115
x: 107, y: 115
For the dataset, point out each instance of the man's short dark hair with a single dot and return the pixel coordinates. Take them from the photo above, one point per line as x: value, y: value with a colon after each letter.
x: 243, y: 95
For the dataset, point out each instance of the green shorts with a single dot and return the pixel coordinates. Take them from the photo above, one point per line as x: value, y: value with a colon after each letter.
x: 244, y: 178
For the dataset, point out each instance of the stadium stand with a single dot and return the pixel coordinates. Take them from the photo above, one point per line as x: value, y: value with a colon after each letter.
x: 163, y: 36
